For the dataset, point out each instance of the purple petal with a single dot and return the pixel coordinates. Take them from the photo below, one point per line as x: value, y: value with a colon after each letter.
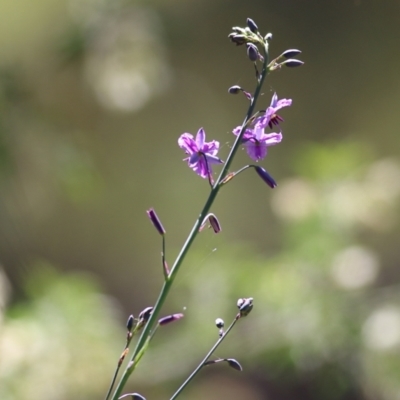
x: 187, y: 143
x: 256, y: 150
x: 211, y: 159
x: 271, y: 139
x: 274, y: 100
x: 283, y: 103
x: 200, y: 138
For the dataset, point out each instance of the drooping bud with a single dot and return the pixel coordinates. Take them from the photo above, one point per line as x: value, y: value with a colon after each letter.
x: 292, y: 63
x: 170, y: 318
x: 252, y: 52
x: 245, y: 306
x: 156, y: 221
x: 129, y: 323
x: 132, y: 396
x: 219, y: 323
x: 235, y: 89
x: 290, y: 53
x: 252, y: 25
x: 234, y: 364
x: 266, y: 177
x: 213, y: 221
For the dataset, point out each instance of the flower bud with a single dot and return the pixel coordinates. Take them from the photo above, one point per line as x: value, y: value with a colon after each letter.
x: 237, y: 38
x: 291, y: 63
x: 219, y: 323
x: 145, y: 314
x: 268, y: 36
x: 252, y: 25
x: 290, y: 53
x: 132, y: 396
x: 245, y: 306
x: 234, y: 364
x: 129, y: 323
x: 235, y: 89
x: 252, y: 52
x: 266, y: 177
x: 156, y: 221
x: 169, y: 318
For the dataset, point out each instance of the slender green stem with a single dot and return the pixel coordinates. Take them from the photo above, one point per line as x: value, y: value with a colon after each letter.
x: 192, y: 235
x: 205, y: 359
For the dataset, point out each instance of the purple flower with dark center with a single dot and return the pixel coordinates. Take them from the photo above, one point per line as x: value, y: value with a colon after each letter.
x: 201, y: 153
x: 255, y: 139
x: 270, y: 117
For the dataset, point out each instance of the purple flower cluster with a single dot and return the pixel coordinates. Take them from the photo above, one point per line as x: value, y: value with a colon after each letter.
x: 202, y: 154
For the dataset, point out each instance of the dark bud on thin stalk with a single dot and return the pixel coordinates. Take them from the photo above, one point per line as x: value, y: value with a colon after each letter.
x: 252, y: 52
x: 237, y: 38
x: 132, y: 396
x: 156, y: 221
x: 170, y: 318
x: 129, y: 323
x: 235, y: 89
x: 245, y: 306
x: 145, y: 314
x: 219, y: 323
x: 266, y: 177
x: 292, y: 63
x: 290, y: 53
x: 214, y: 223
x: 234, y: 364
x: 252, y: 25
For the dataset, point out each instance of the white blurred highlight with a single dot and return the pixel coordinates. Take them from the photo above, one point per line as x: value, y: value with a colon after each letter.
x: 296, y: 199
x: 381, y: 331
x: 355, y: 267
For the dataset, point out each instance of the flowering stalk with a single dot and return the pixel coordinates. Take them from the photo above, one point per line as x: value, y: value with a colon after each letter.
x: 201, y: 155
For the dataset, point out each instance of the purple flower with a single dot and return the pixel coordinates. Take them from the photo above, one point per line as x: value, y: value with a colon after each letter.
x: 201, y: 153
x: 257, y: 142
x: 255, y: 139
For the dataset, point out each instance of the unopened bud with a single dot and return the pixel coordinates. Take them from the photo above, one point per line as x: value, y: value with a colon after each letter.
x: 290, y: 53
x: 129, y: 323
x: 252, y: 52
x: 132, y: 396
x: 156, y: 221
x: 170, y: 318
x: 245, y: 306
x: 234, y: 364
x: 234, y: 89
x: 145, y: 314
x: 219, y: 323
x: 268, y: 36
x: 292, y: 63
x: 252, y: 25
x: 237, y: 38
x: 266, y: 177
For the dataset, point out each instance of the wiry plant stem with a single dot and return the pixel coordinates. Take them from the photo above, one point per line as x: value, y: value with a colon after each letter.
x: 192, y: 235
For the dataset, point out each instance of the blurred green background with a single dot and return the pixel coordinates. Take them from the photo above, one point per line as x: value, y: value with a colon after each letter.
x: 93, y: 97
